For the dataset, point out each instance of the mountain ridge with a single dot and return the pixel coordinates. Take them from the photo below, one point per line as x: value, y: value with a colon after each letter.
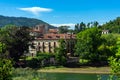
x: 22, y: 21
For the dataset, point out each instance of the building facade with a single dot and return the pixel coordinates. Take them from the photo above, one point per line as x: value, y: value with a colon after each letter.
x: 48, y: 41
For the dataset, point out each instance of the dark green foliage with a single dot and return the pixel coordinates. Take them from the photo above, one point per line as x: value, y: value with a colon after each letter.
x: 16, y: 40
x: 108, y: 46
x: 114, y: 61
x: 80, y: 27
x: 21, y: 21
x: 95, y: 24
x: 5, y: 64
x: 45, y: 59
x: 113, y: 26
x: 42, y: 56
x: 33, y: 63
x: 88, y: 42
x: 77, y: 28
x: 63, y: 29
x: 41, y: 60
x: 5, y: 69
x: 94, y: 47
x: 61, y: 53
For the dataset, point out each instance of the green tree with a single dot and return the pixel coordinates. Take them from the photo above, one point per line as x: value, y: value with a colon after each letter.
x: 88, y: 25
x: 61, y: 52
x: 95, y: 24
x: 5, y: 64
x: 87, y: 44
x: 107, y: 47
x: 114, y: 61
x: 82, y: 26
x: 113, y: 25
x: 76, y: 28
x: 16, y: 40
x: 63, y: 29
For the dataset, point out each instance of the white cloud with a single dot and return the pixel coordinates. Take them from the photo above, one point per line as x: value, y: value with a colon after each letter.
x: 36, y: 10
x: 66, y: 24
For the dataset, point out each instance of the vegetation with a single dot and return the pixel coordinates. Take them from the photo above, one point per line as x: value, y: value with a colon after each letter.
x: 5, y: 64
x: 21, y: 21
x: 91, y: 46
x: 113, y: 26
x: 82, y: 26
x: 63, y: 29
x: 87, y: 45
x: 5, y: 69
x: 16, y: 40
x: 114, y: 61
x: 61, y: 55
x: 94, y: 47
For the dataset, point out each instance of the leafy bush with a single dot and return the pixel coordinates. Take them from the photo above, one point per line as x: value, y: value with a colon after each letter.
x: 5, y: 69
x: 33, y: 63
x: 5, y: 64
x: 42, y: 56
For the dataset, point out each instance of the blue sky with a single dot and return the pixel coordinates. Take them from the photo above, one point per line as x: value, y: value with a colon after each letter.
x: 59, y: 12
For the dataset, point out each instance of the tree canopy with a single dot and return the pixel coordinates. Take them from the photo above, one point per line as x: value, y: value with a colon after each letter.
x: 63, y: 29
x: 113, y: 25
x: 87, y: 43
x: 16, y: 40
x: 61, y: 52
x: 5, y: 64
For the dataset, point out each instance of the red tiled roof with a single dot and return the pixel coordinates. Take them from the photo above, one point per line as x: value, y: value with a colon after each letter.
x: 58, y: 36
x: 53, y: 30
x: 36, y: 31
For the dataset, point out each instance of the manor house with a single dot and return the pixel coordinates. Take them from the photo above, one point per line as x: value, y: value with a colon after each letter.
x: 47, y: 40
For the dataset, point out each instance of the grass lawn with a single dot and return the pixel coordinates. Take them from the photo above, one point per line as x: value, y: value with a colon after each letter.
x: 85, y: 69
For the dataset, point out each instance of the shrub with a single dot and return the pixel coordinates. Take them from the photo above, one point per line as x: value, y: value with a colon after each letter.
x: 33, y: 63
x: 5, y: 69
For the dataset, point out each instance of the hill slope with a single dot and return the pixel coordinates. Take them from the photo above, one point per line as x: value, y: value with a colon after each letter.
x: 21, y: 21
x: 113, y: 25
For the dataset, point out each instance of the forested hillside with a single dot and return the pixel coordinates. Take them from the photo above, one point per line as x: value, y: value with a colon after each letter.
x: 113, y: 25
x: 21, y: 21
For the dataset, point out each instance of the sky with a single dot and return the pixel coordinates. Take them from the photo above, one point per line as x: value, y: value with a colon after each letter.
x: 62, y: 12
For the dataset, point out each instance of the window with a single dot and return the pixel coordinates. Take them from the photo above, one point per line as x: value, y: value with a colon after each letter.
x: 43, y: 47
x: 54, y: 44
x: 49, y: 36
x: 57, y: 36
x: 49, y: 44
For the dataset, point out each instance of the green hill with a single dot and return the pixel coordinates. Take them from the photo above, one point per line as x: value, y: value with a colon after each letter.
x: 21, y: 21
x: 113, y: 25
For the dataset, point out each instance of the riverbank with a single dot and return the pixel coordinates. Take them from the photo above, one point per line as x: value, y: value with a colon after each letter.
x: 89, y: 70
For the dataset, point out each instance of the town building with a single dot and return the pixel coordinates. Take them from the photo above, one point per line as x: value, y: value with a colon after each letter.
x: 105, y: 31
x: 47, y: 40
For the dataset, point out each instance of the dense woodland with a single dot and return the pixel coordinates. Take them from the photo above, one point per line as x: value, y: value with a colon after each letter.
x: 113, y: 25
x: 92, y: 47
x: 21, y: 21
